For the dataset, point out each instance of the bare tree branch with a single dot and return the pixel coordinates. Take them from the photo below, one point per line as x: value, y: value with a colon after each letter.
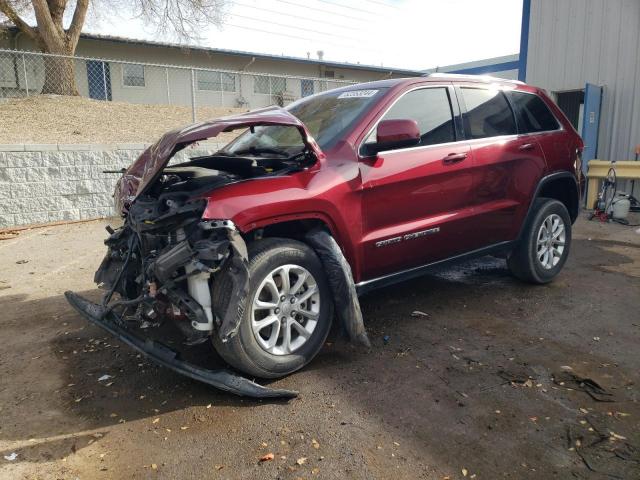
x: 77, y: 22
x: 15, y: 18
x: 184, y: 18
x: 48, y: 30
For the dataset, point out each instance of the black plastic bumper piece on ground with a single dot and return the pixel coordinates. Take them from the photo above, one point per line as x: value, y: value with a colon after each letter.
x: 221, y: 378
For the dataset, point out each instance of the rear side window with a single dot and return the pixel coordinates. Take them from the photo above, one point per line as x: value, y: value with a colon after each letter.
x: 431, y: 109
x: 533, y: 114
x: 488, y: 113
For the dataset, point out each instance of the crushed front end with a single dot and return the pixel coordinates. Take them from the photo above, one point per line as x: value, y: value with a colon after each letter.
x: 157, y: 270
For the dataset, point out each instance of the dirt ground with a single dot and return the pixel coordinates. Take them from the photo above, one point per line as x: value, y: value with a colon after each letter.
x: 58, y: 119
x: 481, y: 387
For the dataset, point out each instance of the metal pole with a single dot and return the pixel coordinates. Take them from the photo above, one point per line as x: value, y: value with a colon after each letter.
x: 166, y: 71
x: 193, y: 96
x: 104, y: 80
x: 24, y: 70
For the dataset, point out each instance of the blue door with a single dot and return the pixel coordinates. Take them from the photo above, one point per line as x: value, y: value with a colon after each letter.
x: 99, y: 80
x: 590, y: 123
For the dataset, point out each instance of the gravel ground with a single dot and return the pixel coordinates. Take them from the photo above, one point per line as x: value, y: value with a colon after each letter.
x: 479, y: 387
x: 57, y: 119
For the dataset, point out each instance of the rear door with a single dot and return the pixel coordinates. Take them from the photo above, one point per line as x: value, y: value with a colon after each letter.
x: 415, y: 200
x: 507, y: 165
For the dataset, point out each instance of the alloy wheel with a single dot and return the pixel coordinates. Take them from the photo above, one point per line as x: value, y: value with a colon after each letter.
x: 285, y: 309
x: 551, y: 241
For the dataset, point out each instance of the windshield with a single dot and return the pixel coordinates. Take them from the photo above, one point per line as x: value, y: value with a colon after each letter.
x: 327, y: 116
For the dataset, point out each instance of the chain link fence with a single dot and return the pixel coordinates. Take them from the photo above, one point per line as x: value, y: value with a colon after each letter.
x: 25, y: 73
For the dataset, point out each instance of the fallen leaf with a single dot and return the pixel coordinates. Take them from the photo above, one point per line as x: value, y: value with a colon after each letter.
x: 267, y: 458
x: 465, y: 472
x: 154, y: 466
x: 301, y: 460
x: 315, y: 444
x: 155, y: 420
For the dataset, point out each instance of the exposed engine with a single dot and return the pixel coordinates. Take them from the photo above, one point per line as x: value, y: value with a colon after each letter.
x: 160, y: 262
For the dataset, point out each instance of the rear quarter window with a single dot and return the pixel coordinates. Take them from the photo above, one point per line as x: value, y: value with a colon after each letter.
x: 532, y: 113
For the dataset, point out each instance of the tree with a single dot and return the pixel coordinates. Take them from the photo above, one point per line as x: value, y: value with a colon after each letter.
x: 184, y: 18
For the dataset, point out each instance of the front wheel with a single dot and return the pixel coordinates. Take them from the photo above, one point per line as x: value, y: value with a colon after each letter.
x: 544, y: 246
x: 288, y: 314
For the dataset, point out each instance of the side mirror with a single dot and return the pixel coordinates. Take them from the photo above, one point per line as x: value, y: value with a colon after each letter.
x: 392, y: 134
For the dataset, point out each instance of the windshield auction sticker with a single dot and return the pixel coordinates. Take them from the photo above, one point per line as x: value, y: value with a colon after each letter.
x: 358, y: 94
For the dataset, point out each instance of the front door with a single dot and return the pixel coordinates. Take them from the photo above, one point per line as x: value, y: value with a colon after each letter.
x: 415, y: 201
x: 99, y: 80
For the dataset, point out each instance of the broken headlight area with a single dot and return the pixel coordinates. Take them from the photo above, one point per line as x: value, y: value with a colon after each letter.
x: 160, y: 264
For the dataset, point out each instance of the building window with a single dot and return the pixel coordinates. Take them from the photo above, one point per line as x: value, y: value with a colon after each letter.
x: 329, y: 74
x: 216, y: 81
x: 269, y: 85
x: 133, y: 75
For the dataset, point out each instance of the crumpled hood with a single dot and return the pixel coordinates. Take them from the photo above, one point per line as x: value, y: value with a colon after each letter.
x: 149, y: 165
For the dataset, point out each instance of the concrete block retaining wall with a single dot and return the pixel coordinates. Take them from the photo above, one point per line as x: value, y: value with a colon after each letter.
x: 50, y: 183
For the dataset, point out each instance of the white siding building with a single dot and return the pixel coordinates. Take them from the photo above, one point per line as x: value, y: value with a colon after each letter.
x: 128, y: 70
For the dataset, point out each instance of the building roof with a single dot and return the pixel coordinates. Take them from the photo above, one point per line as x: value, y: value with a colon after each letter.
x: 240, y: 53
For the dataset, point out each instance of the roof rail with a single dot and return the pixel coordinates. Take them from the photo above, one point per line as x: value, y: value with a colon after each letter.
x: 485, y: 78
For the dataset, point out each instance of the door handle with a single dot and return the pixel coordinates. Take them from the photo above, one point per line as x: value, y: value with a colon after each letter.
x: 454, y: 158
x: 526, y: 146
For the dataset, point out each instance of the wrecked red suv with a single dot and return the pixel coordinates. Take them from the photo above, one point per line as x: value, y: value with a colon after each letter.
x: 258, y: 245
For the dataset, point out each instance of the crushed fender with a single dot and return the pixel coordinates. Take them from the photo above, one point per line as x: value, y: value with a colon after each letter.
x: 238, y: 270
x: 220, y: 378
x: 341, y: 283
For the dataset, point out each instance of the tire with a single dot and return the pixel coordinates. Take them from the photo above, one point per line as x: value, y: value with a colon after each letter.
x: 271, y: 258
x: 528, y: 261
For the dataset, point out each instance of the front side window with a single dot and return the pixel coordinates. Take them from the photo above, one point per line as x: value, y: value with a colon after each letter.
x: 431, y: 109
x: 488, y: 113
x: 533, y: 114
x: 133, y: 75
x: 216, y: 81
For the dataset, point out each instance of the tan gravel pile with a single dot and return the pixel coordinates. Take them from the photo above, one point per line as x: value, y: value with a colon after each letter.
x: 58, y: 119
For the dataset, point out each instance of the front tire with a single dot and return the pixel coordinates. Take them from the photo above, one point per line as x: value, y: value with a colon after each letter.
x: 288, y: 312
x: 544, y: 246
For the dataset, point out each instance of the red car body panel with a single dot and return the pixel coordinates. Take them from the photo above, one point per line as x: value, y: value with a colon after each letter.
x: 443, y: 207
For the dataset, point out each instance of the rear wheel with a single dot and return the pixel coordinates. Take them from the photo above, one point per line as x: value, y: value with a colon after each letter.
x: 288, y: 314
x: 544, y: 246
